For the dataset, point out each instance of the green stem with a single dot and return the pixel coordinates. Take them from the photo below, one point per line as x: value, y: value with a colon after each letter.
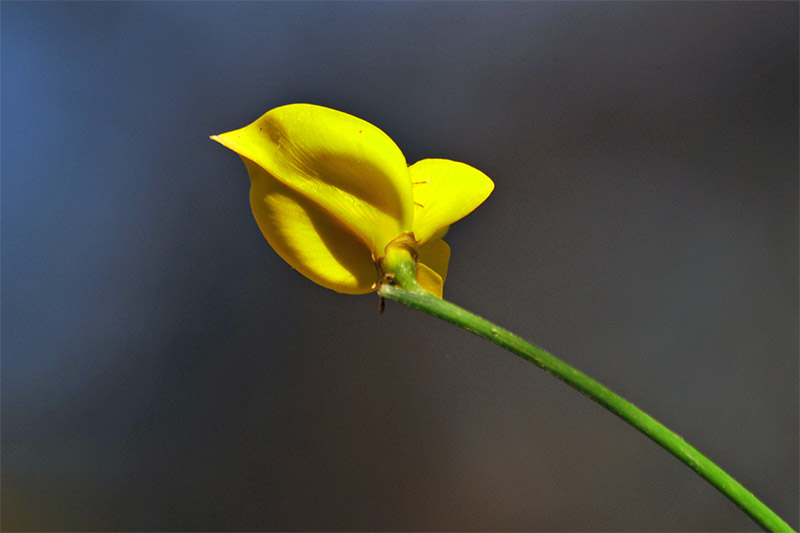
x: 404, y: 289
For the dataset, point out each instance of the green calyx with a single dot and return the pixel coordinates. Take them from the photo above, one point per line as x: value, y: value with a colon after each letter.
x: 399, y: 263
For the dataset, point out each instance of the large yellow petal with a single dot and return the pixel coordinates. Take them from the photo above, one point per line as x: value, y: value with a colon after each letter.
x: 316, y: 244
x: 444, y: 192
x: 432, y: 266
x: 345, y: 165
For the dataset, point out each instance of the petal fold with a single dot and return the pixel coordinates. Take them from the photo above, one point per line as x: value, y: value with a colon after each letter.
x: 341, y: 163
x: 311, y: 240
x: 445, y: 191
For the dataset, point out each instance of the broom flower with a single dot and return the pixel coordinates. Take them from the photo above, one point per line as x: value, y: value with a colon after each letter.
x: 333, y: 195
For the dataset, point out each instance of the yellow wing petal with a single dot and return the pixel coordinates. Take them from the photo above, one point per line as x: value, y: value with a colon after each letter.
x: 348, y: 166
x: 444, y: 192
x: 432, y: 266
x: 308, y: 238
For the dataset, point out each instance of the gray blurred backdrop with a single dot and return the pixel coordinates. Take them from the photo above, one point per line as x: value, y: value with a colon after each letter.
x: 164, y: 370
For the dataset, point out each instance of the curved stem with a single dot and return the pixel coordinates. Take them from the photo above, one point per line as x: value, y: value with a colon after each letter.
x: 404, y: 289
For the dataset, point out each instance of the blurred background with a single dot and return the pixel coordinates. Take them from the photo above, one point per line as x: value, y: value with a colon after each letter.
x: 164, y: 370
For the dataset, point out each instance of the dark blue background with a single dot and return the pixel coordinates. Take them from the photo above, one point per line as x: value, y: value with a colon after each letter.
x: 163, y: 369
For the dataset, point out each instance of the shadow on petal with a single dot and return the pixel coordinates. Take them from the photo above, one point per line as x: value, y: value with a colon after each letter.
x: 309, y: 238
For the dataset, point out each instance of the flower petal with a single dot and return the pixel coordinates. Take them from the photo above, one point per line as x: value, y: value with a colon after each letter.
x: 345, y: 165
x: 308, y: 238
x: 436, y: 254
x: 432, y: 266
x: 429, y: 280
x: 445, y: 191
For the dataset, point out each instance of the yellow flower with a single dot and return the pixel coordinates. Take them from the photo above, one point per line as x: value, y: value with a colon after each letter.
x: 330, y: 192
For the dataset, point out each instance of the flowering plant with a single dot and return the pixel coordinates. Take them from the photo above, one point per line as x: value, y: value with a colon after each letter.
x: 335, y: 198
